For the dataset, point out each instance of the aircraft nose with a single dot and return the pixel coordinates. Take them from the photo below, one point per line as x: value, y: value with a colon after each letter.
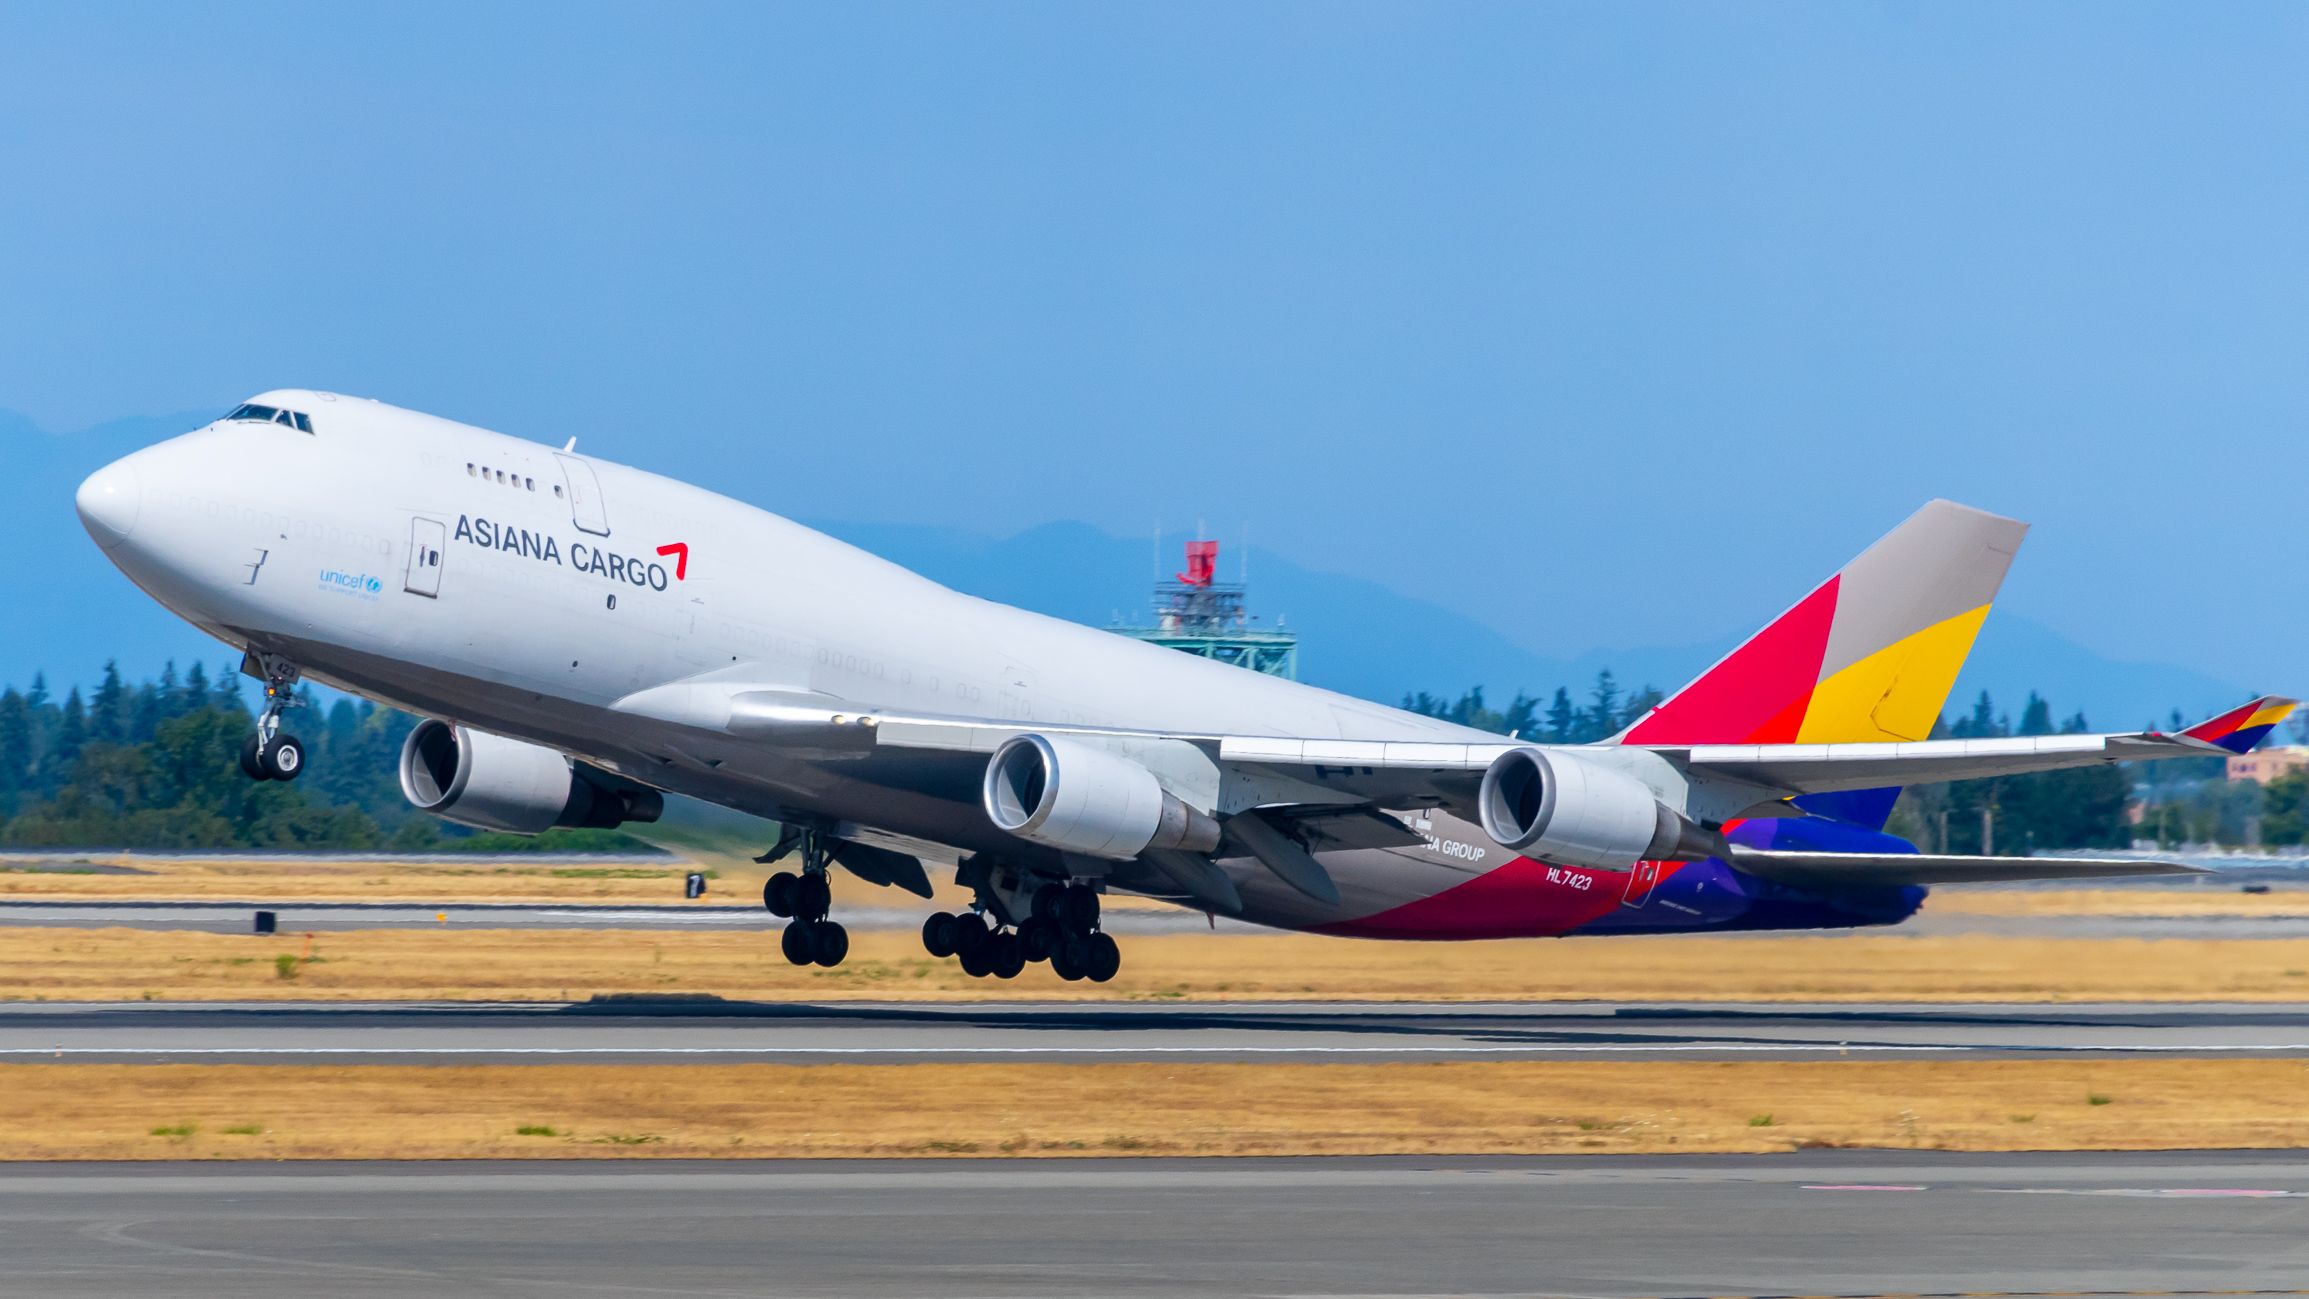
x: 108, y: 503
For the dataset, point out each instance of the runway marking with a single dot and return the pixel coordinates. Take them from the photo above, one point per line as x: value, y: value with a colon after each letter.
x: 1657, y: 1048
x: 2156, y: 1192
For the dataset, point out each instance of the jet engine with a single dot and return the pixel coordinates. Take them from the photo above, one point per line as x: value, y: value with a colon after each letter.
x: 1560, y: 808
x: 492, y: 783
x: 1064, y: 793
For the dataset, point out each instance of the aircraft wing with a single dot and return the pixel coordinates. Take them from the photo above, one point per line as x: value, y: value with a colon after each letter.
x: 1745, y: 779
x: 1831, y: 870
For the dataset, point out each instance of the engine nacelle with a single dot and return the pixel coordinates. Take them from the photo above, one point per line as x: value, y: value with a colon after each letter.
x: 1058, y: 791
x: 1559, y: 808
x: 492, y: 783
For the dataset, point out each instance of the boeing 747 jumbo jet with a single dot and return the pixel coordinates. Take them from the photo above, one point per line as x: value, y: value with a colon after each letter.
x: 584, y: 638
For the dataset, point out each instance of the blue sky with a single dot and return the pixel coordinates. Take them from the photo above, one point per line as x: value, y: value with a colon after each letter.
x: 1606, y: 325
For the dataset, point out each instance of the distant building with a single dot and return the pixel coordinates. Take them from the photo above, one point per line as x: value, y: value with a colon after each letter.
x: 2264, y: 765
x: 1203, y: 616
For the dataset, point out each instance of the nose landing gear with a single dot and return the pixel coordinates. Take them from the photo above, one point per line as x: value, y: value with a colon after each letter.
x: 810, y: 938
x: 271, y: 754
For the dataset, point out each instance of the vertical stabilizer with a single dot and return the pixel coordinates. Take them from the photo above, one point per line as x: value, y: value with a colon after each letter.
x: 1869, y: 656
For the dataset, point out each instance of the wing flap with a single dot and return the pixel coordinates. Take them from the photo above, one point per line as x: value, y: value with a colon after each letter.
x: 1833, y: 870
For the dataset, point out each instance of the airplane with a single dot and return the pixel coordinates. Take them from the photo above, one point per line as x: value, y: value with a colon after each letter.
x: 583, y: 639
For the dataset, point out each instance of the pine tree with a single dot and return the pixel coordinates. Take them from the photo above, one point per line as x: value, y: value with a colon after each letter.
x: 71, y: 738
x: 108, y: 711
x: 227, y: 693
x: 2036, y: 718
x: 1562, y: 717
x: 15, y: 750
x: 1603, y: 712
x: 1639, y: 703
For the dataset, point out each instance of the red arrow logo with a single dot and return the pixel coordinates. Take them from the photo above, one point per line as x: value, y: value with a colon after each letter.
x: 680, y: 551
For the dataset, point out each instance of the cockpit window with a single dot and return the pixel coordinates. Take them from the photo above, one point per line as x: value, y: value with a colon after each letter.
x: 254, y: 413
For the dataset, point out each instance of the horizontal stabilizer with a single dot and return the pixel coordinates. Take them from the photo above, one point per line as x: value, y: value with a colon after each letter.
x: 1844, y: 870
x: 2239, y: 729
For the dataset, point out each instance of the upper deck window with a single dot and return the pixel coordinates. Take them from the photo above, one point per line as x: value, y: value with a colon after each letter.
x: 254, y: 413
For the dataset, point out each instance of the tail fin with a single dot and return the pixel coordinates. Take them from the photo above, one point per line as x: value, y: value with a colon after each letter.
x: 2239, y: 729
x: 1868, y: 656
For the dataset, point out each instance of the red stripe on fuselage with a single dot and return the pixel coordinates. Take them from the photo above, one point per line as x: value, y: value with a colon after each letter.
x: 1522, y: 899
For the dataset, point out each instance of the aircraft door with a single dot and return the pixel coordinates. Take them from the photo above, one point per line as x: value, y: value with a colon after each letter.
x: 1641, y: 881
x: 586, y: 508
x: 427, y: 539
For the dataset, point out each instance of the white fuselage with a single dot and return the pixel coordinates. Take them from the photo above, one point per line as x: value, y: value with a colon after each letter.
x: 500, y: 583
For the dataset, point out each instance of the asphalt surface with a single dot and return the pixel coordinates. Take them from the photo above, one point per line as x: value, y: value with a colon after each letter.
x: 679, y: 1031
x: 297, y: 917
x: 238, y: 916
x: 1835, y: 1223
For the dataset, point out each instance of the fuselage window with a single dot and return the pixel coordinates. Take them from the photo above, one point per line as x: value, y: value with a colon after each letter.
x: 471, y: 471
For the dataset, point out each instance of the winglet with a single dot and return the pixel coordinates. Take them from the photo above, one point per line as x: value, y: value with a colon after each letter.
x: 2239, y: 729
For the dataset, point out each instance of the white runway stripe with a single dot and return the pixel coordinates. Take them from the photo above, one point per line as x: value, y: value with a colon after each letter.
x: 1662, y: 1048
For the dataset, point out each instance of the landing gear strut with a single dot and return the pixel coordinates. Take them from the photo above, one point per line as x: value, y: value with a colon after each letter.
x: 1060, y: 926
x: 272, y: 754
x: 804, y: 899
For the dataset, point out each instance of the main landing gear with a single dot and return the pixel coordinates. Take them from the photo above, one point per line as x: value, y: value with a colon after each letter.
x: 271, y: 754
x: 804, y: 899
x: 1061, y: 928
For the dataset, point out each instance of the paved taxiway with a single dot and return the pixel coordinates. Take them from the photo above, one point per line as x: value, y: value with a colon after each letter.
x: 674, y: 1031
x: 1839, y: 1223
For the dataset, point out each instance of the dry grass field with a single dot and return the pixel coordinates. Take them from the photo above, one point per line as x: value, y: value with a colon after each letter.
x: 2202, y: 901
x: 557, y: 965
x: 587, y: 1111
x: 516, y: 879
x: 519, y: 879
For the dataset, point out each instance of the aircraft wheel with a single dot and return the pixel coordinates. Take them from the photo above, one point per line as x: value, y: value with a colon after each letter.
x: 1103, y: 958
x: 252, y: 761
x: 1078, y: 908
x: 812, y: 896
x: 797, y: 945
x: 938, y: 934
x: 829, y: 943
x: 1046, y: 901
x: 1005, y: 960
x: 1038, y: 939
x: 977, y: 959
x: 284, y: 758
x: 778, y: 893
x: 1067, y: 961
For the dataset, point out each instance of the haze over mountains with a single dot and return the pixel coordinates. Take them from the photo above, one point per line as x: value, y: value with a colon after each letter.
x: 70, y: 610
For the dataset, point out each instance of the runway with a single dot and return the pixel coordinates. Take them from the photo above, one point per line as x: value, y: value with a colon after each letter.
x: 676, y: 1031
x: 236, y: 917
x: 1836, y: 1223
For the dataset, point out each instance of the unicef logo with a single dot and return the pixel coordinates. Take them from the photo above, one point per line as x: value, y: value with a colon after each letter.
x: 363, y: 586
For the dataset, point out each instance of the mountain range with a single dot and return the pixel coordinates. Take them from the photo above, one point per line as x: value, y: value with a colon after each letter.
x: 70, y: 611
